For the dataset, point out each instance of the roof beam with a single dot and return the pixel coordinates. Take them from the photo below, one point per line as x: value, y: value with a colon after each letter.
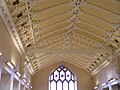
x: 79, y: 60
x: 91, y: 25
x: 17, y: 10
x: 39, y: 43
x: 40, y: 1
x: 36, y: 13
x: 61, y: 29
x: 30, y: 21
x: 93, y: 34
x: 41, y: 57
x: 49, y: 63
x: 50, y: 59
x: 70, y: 51
x: 116, y: 1
x: 51, y: 26
x: 75, y: 63
x: 86, y: 60
x: 98, y: 19
x: 83, y: 38
x: 107, y: 11
x: 49, y: 19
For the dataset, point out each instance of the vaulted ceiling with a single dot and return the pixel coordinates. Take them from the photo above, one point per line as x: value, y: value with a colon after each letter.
x: 81, y: 32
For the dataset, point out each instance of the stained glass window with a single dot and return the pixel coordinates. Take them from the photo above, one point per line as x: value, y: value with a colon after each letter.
x: 62, y: 79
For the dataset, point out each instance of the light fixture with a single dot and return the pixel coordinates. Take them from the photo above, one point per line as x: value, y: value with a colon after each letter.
x: 95, y: 87
x: 112, y: 80
x: 115, y: 82
x: 31, y: 87
x: 27, y: 59
x: 10, y: 65
x: 104, y: 84
x: 25, y: 63
x: 0, y: 53
x: 24, y: 80
x: 18, y: 74
x: 28, y: 84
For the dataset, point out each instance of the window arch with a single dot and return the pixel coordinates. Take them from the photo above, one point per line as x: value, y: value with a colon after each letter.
x: 62, y: 79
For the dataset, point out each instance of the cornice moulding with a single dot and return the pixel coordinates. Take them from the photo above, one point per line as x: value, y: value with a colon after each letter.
x: 5, y: 14
x: 7, y: 19
x: 100, y: 67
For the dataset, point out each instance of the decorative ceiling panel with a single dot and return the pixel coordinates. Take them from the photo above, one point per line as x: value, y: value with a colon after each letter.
x: 82, y: 32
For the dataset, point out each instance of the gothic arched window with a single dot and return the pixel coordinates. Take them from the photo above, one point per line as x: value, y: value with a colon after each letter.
x: 62, y: 79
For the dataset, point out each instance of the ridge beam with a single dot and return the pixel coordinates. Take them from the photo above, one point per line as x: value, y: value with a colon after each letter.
x: 70, y: 51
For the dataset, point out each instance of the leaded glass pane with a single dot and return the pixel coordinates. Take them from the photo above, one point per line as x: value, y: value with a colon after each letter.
x: 68, y: 75
x: 61, y: 66
x: 65, y: 85
x: 59, y: 85
x: 75, y: 85
x: 65, y: 69
x: 53, y: 85
x: 73, y: 77
x: 62, y: 75
x: 51, y: 78
x: 71, y: 85
x: 59, y: 69
x: 49, y: 86
x: 56, y: 75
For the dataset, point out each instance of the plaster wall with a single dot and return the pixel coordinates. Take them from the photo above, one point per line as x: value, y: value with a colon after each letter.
x: 7, y: 46
x: 105, y: 74
x: 5, y: 80
x: 10, y: 53
x: 40, y: 80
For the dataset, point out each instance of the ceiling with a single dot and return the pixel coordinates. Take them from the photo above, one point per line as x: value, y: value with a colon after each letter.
x: 81, y: 32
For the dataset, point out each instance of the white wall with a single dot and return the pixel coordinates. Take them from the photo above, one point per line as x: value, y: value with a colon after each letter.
x: 5, y: 80
x: 7, y: 46
x: 105, y: 74
x: 15, y: 84
x: 11, y: 54
x: 40, y: 80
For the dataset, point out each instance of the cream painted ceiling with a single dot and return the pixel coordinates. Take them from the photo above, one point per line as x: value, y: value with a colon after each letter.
x: 81, y: 32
